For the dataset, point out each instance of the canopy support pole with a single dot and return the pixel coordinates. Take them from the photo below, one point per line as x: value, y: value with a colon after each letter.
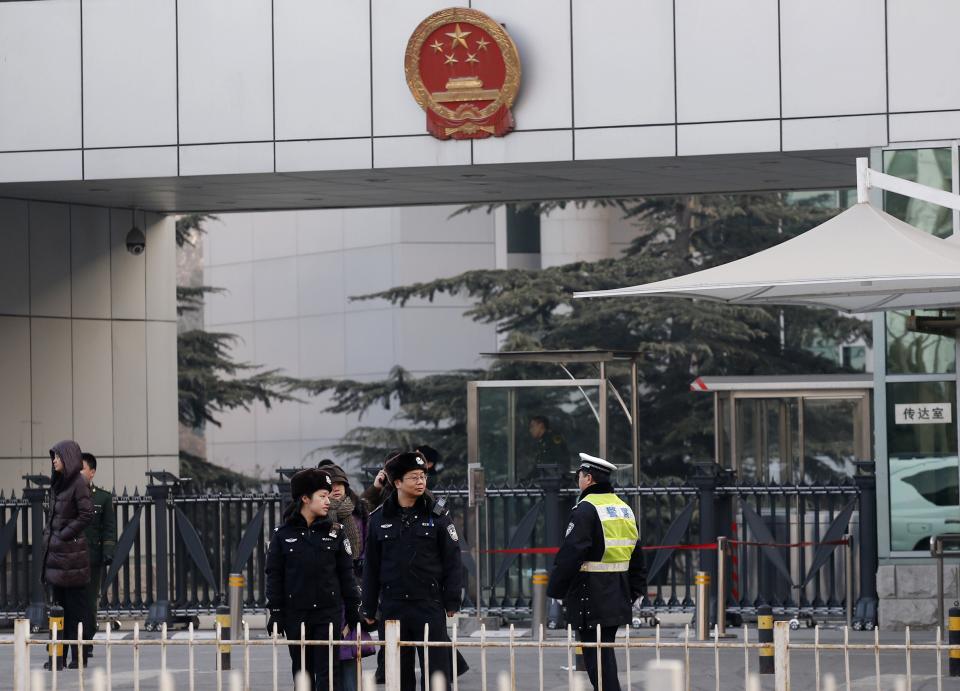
x: 867, y: 178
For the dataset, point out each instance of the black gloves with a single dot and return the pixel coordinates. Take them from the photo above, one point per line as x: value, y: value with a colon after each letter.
x: 275, y: 619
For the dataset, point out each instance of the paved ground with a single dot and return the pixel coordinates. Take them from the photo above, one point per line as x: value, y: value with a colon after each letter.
x: 702, y: 675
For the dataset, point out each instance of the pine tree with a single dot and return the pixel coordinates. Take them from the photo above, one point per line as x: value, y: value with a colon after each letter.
x: 680, y: 339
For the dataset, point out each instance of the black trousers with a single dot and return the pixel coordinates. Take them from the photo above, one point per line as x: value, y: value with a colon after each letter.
x: 608, y: 634
x: 93, y: 604
x: 413, y: 615
x: 316, y: 657
x: 74, y: 603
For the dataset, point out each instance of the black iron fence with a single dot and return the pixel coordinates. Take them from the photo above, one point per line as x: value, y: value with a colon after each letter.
x: 177, y: 546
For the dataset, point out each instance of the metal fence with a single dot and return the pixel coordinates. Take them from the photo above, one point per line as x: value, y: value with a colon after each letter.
x: 517, y: 662
x: 177, y: 547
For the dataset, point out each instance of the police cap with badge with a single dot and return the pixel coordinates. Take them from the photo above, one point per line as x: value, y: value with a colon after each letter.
x: 403, y: 463
x: 308, y: 481
x: 595, y: 466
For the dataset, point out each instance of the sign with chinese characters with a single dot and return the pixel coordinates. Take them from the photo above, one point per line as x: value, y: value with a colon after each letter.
x: 922, y: 413
x: 464, y: 71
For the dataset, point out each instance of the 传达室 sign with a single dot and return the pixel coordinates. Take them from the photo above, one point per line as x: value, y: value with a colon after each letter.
x: 922, y: 413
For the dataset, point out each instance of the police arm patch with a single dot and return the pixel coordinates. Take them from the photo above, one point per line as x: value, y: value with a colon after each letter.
x: 569, y: 529
x: 453, y: 533
x: 347, y: 548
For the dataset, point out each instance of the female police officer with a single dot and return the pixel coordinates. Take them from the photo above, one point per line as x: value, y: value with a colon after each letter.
x: 310, y: 576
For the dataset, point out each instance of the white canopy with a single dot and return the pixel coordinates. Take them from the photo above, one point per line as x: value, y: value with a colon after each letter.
x: 860, y: 260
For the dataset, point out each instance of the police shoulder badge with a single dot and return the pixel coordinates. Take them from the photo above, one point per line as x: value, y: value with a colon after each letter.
x: 453, y: 533
x: 464, y: 71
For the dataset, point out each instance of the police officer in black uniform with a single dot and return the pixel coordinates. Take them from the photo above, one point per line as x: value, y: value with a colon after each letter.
x: 599, y: 570
x: 310, y: 576
x: 412, y: 567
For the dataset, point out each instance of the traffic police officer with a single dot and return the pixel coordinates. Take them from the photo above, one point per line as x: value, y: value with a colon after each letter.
x: 310, y: 576
x: 412, y: 566
x: 101, y: 541
x: 599, y: 571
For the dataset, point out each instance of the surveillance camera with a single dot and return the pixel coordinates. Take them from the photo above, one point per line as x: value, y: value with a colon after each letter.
x: 136, y: 241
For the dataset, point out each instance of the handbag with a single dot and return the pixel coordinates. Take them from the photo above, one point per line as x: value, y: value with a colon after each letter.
x: 349, y: 652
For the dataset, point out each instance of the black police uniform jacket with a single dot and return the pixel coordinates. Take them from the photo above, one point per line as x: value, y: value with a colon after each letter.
x: 591, y: 598
x: 310, y: 570
x: 419, y: 562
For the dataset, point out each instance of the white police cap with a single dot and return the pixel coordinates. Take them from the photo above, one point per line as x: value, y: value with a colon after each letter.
x: 588, y: 462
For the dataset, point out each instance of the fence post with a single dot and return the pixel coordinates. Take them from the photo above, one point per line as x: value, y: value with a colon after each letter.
x: 21, y: 655
x: 160, y: 609
x: 866, y: 479
x: 553, y: 523
x: 37, y: 609
x: 781, y: 655
x: 391, y: 655
x: 705, y: 480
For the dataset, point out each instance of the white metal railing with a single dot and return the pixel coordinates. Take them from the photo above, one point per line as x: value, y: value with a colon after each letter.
x: 670, y: 674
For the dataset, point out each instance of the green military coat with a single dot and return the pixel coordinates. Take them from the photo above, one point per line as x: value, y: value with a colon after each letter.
x: 102, y: 531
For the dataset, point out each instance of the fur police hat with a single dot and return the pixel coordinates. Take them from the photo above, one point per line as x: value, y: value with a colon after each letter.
x: 336, y: 473
x: 306, y: 482
x: 403, y: 463
x: 430, y: 454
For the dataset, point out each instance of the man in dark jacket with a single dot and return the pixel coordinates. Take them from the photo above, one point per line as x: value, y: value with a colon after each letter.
x: 66, y: 561
x: 599, y: 570
x: 310, y: 577
x: 413, y: 568
x: 101, y: 537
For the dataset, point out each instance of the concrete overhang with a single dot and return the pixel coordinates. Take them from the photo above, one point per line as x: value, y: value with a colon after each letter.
x: 584, y: 179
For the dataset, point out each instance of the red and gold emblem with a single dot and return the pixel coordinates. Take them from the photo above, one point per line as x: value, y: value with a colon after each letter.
x: 464, y: 71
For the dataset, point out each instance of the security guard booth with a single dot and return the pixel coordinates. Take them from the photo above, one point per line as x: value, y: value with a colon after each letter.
x: 582, y: 408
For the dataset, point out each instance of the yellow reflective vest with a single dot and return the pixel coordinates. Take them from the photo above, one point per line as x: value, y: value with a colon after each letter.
x: 620, y: 533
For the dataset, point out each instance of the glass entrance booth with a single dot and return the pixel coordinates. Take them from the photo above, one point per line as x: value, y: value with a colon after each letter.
x: 518, y: 428
x: 804, y: 429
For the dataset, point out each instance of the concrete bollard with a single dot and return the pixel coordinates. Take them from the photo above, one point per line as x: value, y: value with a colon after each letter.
x: 765, y: 636
x: 539, y: 617
x: 55, y: 650
x: 953, y: 638
x: 223, y: 618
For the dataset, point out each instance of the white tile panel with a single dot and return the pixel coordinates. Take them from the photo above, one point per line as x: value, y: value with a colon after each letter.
x: 313, y: 100
x: 90, y: 261
x: 622, y: 63
x: 394, y: 110
x: 276, y: 345
x: 226, y: 82
x: 150, y: 162
x: 420, y: 262
x: 229, y: 240
x: 275, y: 288
x: 367, y: 227
x: 40, y: 73
x: 15, y: 258
x: 322, y: 346
x: 320, y: 283
x: 911, y: 127
x: 12, y: 471
x: 51, y: 380
x: 435, y: 224
x: 278, y: 454
x: 241, y: 458
x: 15, y: 393
x: 129, y: 73
x: 625, y: 142
x: 400, y: 152
x: 365, y: 271
x: 41, y: 166
x: 835, y: 133
x: 274, y: 234
x: 523, y: 147
x: 162, y: 425
x: 226, y: 159
x: 280, y: 423
x: 315, y: 424
x: 127, y: 271
x: 320, y: 230
x: 369, y: 339
x: 832, y: 57
x: 235, y: 304
x: 727, y: 60
x: 128, y: 473
x: 170, y: 464
x: 436, y: 339
x: 237, y: 425
x: 129, y: 388
x: 924, y: 54
x: 49, y: 259
x: 728, y: 138
x: 333, y: 154
x: 541, y: 31
x: 161, y: 254
x: 93, y: 385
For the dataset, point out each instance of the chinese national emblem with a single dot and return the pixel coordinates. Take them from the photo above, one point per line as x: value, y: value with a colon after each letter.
x: 464, y: 71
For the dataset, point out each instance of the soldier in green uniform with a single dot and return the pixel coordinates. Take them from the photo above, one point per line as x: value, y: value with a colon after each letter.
x: 101, y: 540
x: 550, y: 447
